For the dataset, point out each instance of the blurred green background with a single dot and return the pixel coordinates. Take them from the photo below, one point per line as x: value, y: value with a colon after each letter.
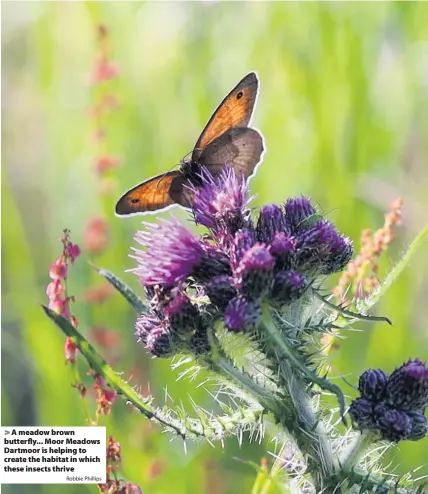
x: 344, y: 111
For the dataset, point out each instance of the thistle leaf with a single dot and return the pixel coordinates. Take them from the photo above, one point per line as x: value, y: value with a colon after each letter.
x: 136, y: 302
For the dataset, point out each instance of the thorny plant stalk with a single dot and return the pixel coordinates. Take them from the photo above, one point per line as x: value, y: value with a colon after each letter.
x: 244, y: 301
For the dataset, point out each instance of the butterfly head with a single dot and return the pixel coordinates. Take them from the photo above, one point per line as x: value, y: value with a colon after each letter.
x: 191, y: 171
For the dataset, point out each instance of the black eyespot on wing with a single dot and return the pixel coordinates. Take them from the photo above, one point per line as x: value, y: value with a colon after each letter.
x: 239, y: 95
x: 135, y: 201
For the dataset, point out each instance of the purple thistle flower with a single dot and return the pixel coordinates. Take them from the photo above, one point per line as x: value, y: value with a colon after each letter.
x: 220, y: 291
x: 361, y: 412
x: 419, y: 426
x: 340, y: 253
x: 271, y: 220
x: 181, y: 314
x: 394, y: 425
x: 243, y: 240
x: 159, y: 343
x: 321, y: 249
x: 372, y: 384
x: 172, y: 252
x: 158, y: 296
x: 283, y: 248
x: 153, y: 333
x: 297, y: 210
x: 408, y: 386
x: 255, y: 271
x: 220, y: 203
x: 214, y: 262
x: 288, y: 286
x: 242, y: 315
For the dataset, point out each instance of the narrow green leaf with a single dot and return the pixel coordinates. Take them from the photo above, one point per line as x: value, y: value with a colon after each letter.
x: 136, y: 302
x: 348, y: 313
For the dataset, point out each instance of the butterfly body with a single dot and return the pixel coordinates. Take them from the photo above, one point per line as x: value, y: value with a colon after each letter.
x: 226, y: 139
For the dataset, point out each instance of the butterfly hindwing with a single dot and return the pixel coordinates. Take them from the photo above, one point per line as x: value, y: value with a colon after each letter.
x: 240, y: 148
x: 235, y: 110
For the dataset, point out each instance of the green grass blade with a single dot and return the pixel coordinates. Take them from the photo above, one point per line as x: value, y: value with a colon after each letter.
x: 395, y: 272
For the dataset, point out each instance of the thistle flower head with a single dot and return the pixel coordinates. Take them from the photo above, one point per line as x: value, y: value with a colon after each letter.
x: 242, y: 315
x: 255, y: 271
x: 297, y: 211
x: 394, y: 425
x: 408, y: 386
x: 241, y: 243
x: 181, y: 314
x: 221, y: 290
x: 288, y: 286
x: 321, y: 249
x: 372, y: 384
x: 393, y: 406
x: 419, y: 426
x: 213, y: 262
x: 221, y: 203
x: 361, y: 412
x: 270, y: 221
x: 283, y: 247
x: 152, y: 331
x: 172, y: 252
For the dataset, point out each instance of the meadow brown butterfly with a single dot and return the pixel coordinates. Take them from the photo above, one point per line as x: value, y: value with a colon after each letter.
x: 226, y: 139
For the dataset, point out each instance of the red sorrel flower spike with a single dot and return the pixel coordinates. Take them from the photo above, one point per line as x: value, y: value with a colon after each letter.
x: 58, y: 270
x: 56, y: 290
x: 96, y: 235
x: 70, y: 350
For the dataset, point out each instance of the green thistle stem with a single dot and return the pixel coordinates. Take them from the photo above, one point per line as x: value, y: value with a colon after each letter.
x: 301, y: 420
x: 248, y: 390
x: 351, y: 456
x: 284, y: 351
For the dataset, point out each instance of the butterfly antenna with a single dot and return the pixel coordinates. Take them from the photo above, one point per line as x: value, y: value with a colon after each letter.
x: 165, y: 174
x: 172, y: 168
x: 186, y: 156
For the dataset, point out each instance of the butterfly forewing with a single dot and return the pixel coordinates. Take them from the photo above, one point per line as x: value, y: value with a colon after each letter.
x: 235, y: 110
x: 240, y: 148
x: 153, y: 194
